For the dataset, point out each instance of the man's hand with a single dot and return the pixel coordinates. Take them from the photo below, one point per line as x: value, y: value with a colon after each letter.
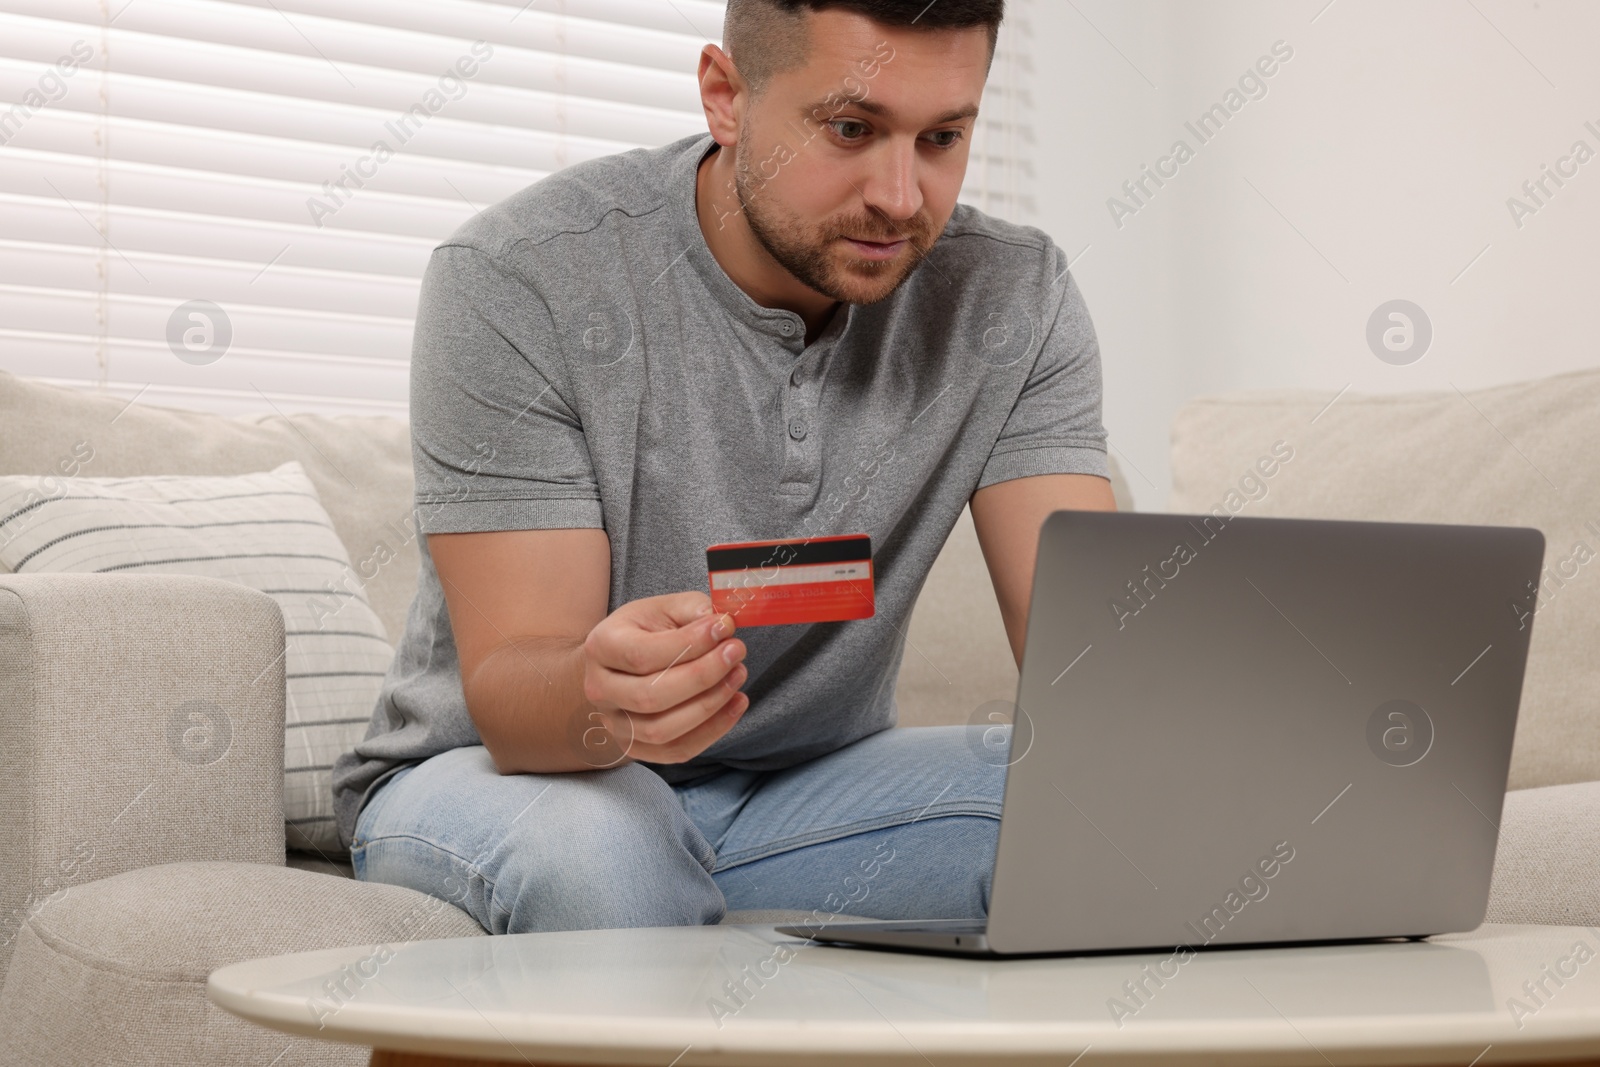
x: 554, y: 684
x: 663, y: 674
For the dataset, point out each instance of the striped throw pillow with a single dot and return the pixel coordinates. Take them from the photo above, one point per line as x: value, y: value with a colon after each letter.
x: 268, y: 531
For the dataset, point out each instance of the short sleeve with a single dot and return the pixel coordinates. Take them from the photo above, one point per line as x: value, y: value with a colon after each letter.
x: 1055, y: 426
x: 495, y: 445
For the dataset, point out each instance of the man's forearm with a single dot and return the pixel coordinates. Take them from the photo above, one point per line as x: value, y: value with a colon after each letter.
x: 526, y: 699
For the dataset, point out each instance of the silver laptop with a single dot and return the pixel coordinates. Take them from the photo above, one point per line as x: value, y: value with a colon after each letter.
x: 1250, y: 731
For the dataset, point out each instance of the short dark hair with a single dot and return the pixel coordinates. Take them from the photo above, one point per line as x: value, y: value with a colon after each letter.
x: 766, y: 37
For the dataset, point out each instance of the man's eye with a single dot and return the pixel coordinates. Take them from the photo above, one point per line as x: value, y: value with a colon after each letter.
x: 849, y: 129
x: 946, y: 138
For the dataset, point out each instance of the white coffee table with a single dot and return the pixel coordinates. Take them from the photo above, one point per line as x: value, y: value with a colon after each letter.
x: 747, y: 996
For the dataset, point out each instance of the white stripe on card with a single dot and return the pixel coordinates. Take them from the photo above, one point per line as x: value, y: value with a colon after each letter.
x: 798, y: 574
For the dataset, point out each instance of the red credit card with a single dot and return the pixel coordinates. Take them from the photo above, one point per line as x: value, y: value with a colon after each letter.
x: 810, y: 579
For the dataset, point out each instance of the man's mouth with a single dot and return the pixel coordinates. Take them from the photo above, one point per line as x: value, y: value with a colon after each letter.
x: 876, y: 250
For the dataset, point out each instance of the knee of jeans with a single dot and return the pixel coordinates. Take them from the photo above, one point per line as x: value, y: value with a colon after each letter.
x: 612, y: 849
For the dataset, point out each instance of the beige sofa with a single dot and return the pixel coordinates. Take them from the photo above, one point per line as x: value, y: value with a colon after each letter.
x: 127, y: 876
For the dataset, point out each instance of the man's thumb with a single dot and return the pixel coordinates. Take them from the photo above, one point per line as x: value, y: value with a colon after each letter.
x: 678, y: 609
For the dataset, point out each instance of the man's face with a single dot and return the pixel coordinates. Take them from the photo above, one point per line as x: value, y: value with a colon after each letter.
x: 848, y: 167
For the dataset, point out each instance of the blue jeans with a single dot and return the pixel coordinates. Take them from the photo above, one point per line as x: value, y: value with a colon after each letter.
x: 899, y: 825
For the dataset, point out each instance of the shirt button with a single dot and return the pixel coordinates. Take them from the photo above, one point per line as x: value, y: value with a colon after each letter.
x: 786, y: 328
x: 796, y: 377
x: 797, y: 429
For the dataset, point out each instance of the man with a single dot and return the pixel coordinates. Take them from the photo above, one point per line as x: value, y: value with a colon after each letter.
x: 785, y: 329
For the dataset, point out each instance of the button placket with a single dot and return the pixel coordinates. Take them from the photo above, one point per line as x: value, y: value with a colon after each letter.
x: 801, y: 443
x: 800, y: 411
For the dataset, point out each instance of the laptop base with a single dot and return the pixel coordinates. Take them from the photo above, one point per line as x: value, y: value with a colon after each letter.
x: 944, y: 937
x: 966, y: 937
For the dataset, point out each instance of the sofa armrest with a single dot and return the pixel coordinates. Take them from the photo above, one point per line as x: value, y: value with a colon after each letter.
x: 141, y: 722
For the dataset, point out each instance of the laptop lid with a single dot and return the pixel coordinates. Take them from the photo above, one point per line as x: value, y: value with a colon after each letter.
x: 1250, y: 730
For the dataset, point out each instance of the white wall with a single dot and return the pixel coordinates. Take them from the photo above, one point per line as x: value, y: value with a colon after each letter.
x: 1377, y: 167
x: 1095, y: 116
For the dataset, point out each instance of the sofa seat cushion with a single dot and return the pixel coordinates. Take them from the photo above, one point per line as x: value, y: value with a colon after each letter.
x: 339, y: 866
x: 114, y: 972
x: 1547, y: 865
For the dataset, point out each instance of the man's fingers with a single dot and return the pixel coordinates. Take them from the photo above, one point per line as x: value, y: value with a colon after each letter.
x: 636, y: 643
x: 667, y: 688
x: 665, y: 727
x: 697, y: 740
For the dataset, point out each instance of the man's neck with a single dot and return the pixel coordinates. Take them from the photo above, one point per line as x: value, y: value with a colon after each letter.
x: 742, y: 257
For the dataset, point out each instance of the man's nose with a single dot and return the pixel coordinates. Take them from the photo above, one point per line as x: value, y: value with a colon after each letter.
x: 891, y: 186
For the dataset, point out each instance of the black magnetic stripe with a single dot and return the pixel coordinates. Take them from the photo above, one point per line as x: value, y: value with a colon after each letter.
x: 849, y: 550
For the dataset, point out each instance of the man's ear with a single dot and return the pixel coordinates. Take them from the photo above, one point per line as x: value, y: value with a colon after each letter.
x: 723, y: 94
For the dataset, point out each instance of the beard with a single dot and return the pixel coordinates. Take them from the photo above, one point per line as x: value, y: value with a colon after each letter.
x: 814, y: 252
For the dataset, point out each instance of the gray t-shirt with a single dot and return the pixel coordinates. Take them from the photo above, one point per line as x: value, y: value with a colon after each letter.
x: 581, y: 360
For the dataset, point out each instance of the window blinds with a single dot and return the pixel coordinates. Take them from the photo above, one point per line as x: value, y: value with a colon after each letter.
x: 228, y: 204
